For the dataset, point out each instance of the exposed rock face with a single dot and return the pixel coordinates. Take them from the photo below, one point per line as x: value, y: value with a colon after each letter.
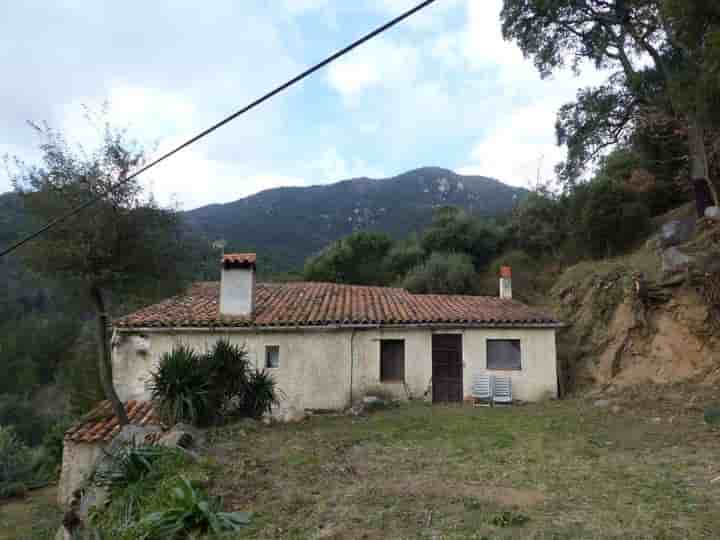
x: 674, y: 261
x: 713, y: 212
x: 677, y: 232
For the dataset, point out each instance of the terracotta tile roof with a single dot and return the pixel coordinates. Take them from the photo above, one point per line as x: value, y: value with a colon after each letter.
x: 101, y: 424
x: 322, y: 304
x: 239, y: 259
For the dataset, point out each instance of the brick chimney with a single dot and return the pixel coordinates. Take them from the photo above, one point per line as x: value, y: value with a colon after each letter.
x: 237, y: 285
x: 505, y: 282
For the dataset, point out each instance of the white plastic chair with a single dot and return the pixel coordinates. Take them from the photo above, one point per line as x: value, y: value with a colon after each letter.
x: 502, y: 390
x: 482, y: 388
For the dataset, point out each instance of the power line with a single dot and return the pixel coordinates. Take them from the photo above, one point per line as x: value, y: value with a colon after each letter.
x: 202, y: 134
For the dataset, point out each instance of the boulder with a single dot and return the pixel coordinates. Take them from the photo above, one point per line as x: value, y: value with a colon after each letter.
x: 674, y: 261
x: 602, y: 403
x: 183, y: 436
x: 677, y: 232
x: 713, y: 212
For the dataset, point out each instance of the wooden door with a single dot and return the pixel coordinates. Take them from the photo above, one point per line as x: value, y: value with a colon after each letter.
x: 447, y: 369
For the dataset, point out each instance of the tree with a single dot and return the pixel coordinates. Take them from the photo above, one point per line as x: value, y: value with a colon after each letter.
x: 356, y: 259
x: 443, y: 273
x: 124, y: 246
x: 453, y: 230
x: 680, y: 37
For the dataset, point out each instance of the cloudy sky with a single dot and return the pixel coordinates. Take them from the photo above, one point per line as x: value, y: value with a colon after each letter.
x: 443, y: 89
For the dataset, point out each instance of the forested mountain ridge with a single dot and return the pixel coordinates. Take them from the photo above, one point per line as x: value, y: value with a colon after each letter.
x: 286, y: 225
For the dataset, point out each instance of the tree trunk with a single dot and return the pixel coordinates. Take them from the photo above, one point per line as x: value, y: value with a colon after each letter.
x: 104, y: 361
x: 705, y: 194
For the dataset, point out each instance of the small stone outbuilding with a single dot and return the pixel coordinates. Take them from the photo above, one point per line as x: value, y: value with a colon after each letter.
x: 85, y: 441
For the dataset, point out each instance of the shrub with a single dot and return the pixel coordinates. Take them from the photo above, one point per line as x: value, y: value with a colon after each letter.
x: 227, y: 368
x: 443, y: 273
x: 259, y: 395
x: 202, y: 390
x: 129, y: 464
x: 16, y: 464
x: 192, y: 511
x: 180, y: 386
x: 29, y: 426
x: 712, y: 416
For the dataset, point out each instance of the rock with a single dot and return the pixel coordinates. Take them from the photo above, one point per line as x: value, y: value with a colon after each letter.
x: 656, y: 420
x: 602, y: 403
x: 616, y: 409
x: 289, y: 414
x: 183, y: 436
x: 674, y: 261
x: 137, y: 435
x: 713, y: 212
x: 372, y: 400
x: 677, y: 232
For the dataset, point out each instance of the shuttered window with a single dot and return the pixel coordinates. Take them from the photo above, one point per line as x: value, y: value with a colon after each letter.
x: 504, y: 354
x: 392, y: 360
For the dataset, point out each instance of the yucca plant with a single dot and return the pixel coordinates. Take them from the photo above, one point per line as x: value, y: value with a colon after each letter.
x: 227, y: 368
x: 179, y: 387
x: 192, y: 512
x: 128, y: 464
x: 260, y: 394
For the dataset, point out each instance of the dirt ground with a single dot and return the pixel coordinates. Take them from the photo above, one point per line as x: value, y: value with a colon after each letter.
x: 36, y: 517
x: 641, y: 464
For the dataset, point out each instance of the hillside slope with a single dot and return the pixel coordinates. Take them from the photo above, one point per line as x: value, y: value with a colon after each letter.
x: 285, y: 225
x: 637, y: 319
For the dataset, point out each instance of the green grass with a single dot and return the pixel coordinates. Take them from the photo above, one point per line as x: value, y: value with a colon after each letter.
x: 557, y: 470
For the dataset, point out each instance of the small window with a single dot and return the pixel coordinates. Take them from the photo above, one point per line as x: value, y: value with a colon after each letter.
x: 503, y: 354
x: 392, y: 360
x: 272, y: 356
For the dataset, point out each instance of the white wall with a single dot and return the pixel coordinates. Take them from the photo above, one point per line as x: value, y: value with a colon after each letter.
x: 77, y: 465
x: 314, y: 370
x: 237, y: 290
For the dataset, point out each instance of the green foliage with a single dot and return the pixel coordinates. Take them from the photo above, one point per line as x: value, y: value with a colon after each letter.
x: 205, y: 389
x: 180, y: 386
x: 443, y: 273
x: 259, y: 395
x: 52, y: 447
x: 192, y: 511
x: 28, y: 425
x: 404, y: 256
x: 129, y: 464
x: 16, y: 464
x: 454, y: 231
x: 712, y: 416
x: 356, y: 259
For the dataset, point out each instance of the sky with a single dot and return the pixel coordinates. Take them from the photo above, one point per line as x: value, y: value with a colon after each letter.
x: 443, y: 89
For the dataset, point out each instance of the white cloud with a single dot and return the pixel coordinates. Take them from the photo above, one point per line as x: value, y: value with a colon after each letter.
x: 382, y: 63
x: 331, y: 166
x: 520, y: 148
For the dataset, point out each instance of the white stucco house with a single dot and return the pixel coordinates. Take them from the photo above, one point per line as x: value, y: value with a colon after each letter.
x: 327, y: 344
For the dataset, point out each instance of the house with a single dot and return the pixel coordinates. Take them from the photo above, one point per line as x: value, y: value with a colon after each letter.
x: 327, y: 344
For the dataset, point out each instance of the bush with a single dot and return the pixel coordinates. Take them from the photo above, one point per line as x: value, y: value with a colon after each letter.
x: 443, y: 273
x: 16, y: 464
x: 180, y: 387
x: 192, y: 511
x: 259, y: 395
x: 29, y: 426
x: 204, y: 389
x: 129, y: 464
x: 712, y: 416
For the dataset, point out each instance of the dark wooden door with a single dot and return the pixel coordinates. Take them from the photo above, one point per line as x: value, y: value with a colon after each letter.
x: 447, y: 367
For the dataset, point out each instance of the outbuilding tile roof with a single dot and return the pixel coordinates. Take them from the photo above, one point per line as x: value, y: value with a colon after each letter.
x: 324, y: 304
x: 101, y: 424
x: 240, y: 259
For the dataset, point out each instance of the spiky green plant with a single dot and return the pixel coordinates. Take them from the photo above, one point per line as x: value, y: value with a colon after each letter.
x: 180, y: 387
x: 193, y: 511
x: 227, y: 368
x: 261, y: 393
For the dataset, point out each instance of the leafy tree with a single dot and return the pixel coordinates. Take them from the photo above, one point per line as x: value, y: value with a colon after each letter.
x: 453, y: 230
x: 125, y: 245
x: 403, y: 256
x: 443, y: 273
x: 539, y: 226
x: 678, y: 36
x: 356, y: 259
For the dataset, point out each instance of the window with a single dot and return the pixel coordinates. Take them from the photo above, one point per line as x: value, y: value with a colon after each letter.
x: 503, y: 354
x: 272, y: 356
x: 392, y: 360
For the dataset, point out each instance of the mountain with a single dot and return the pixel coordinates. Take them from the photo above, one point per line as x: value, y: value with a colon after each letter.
x: 286, y: 225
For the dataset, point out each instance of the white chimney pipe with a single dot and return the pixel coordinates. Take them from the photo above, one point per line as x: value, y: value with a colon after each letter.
x: 505, y: 282
x: 237, y: 285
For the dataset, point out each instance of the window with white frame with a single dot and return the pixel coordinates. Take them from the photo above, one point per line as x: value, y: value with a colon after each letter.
x: 272, y: 356
x: 504, y: 354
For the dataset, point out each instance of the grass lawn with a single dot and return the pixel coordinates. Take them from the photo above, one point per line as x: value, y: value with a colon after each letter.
x: 37, y: 517
x: 556, y: 470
